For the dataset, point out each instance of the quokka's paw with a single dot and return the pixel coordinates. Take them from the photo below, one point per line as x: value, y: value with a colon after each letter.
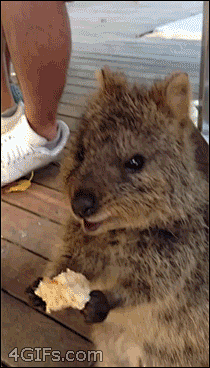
x: 34, y: 299
x: 97, y: 309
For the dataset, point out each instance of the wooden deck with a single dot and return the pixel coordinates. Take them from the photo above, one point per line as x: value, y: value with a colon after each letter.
x: 31, y: 225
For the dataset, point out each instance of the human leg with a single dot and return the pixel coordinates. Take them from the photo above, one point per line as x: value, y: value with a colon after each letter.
x: 41, y: 66
x: 7, y: 100
x: 39, y: 41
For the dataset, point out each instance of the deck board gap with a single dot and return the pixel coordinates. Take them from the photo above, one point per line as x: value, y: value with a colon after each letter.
x: 46, y: 315
x: 31, y: 212
x: 26, y: 249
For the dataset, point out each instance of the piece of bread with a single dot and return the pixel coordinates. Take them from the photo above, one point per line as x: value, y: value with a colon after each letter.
x: 68, y: 289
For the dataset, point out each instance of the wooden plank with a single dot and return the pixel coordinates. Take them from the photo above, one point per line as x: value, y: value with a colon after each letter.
x: 70, y: 110
x: 77, y: 80
x: 192, y: 50
x: 78, y: 90
x: 24, y: 327
x: 91, y: 74
x: 48, y: 176
x: 29, y: 230
x: 142, y: 76
x: 20, y: 268
x: 74, y: 99
x: 143, y: 65
x: 88, y: 65
x: 84, y: 82
x: 146, y: 79
x: 81, y: 99
x: 45, y: 202
x: 156, y: 49
x: 80, y: 73
x: 72, y: 122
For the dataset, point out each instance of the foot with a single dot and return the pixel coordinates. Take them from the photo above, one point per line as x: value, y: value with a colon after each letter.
x: 97, y: 309
x: 23, y: 150
x: 50, y: 133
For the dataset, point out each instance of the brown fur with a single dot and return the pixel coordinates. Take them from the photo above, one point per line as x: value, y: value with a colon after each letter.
x: 151, y: 250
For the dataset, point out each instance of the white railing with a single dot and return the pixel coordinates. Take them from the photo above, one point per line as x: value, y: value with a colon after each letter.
x: 203, y: 116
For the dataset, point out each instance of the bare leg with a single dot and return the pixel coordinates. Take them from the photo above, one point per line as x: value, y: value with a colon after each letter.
x: 7, y: 100
x: 8, y: 60
x: 39, y: 42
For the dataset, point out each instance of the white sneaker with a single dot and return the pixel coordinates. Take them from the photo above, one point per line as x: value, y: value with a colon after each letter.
x: 9, y: 123
x: 23, y: 150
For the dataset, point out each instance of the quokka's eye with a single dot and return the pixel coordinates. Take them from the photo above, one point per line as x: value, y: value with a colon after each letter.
x: 80, y: 154
x: 136, y: 163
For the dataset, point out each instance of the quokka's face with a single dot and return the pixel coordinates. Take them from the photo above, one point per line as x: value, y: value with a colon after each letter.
x: 125, y: 162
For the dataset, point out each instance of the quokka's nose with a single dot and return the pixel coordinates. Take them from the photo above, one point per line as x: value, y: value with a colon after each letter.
x: 84, y: 203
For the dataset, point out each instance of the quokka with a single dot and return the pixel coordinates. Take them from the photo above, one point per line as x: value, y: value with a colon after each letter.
x: 137, y: 225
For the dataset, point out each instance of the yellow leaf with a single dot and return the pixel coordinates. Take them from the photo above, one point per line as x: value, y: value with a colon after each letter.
x: 21, y: 186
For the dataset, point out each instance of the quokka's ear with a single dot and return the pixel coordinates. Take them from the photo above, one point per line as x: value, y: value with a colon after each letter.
x: 110, y: 81
x: 178, y: 95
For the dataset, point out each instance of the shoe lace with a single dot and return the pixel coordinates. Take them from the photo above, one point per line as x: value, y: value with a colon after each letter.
x: 16, y: 152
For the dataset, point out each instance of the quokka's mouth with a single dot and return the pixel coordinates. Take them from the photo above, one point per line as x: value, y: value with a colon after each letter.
x: 91, y: 226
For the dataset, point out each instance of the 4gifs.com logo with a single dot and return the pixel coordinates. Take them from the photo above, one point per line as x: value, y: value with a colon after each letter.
x: 28, y: 354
